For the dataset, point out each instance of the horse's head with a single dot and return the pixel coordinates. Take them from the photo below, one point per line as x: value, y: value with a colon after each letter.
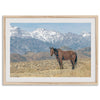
x: 51, y: 51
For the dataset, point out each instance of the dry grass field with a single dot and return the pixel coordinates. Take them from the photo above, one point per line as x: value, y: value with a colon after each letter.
x: 50, y: 68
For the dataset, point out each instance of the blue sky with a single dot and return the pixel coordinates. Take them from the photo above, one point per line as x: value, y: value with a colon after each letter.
x: 59, y: 27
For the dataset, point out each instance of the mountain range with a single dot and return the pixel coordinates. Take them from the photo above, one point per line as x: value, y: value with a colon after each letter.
x: 41, y: 39
x: 31, y: 56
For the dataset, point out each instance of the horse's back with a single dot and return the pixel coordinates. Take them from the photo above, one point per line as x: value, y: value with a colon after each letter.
x: 68, y: 54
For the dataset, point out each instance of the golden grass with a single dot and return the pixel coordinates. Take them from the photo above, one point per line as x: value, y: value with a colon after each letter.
x: 50, y: 68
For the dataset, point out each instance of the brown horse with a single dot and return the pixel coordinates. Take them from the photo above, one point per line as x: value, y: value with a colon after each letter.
x: 64, y: 55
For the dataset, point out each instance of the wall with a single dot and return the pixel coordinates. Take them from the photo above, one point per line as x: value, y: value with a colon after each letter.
x: 48, y: 7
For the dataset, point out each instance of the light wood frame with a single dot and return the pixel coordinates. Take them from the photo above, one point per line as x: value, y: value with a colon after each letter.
x: 50, y: 83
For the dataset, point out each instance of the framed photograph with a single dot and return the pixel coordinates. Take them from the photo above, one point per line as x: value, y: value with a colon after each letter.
x: 50, y: 50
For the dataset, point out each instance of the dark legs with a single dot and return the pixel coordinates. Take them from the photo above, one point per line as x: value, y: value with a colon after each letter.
x: 72, y: 64
x: 60, y: 63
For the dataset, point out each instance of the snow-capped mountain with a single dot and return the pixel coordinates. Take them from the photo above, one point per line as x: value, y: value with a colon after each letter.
x: 40, y: 33
x: 18, y: 32
x: 45, y: 35
x: 40, y: 40
x: 85, y: 34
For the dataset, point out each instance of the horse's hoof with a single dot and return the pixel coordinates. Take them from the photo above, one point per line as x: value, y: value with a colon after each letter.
x: 72, y: 68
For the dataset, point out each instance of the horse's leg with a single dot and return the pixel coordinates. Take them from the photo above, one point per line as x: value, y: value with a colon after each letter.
x: 61, y: 66
x: 60, y: 63
x: 73, y: 60
x: 72, y: 64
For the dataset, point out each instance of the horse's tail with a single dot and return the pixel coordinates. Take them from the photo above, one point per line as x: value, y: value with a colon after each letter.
x: 76, y: 59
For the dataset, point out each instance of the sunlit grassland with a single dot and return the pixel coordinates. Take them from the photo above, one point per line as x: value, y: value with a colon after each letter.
x: 50, y: 68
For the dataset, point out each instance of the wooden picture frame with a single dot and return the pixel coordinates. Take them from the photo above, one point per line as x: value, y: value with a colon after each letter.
x: 14, y: 18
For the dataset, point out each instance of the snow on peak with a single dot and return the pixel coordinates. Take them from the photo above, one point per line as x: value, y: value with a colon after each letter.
x: 18, y: 32
x: 40, y: 29
x: 46, y: 35
x: 86, y: 34
x: 40, y: 33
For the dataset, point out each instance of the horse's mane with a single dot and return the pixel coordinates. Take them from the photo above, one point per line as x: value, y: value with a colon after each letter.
x: 56, y: 50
